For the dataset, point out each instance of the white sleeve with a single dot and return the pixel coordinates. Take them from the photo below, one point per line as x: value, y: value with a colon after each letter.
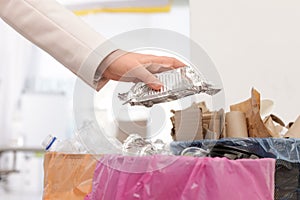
x: 59, y: 32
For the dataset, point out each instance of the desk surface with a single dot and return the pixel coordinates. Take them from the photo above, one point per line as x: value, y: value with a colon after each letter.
x: 21, y: 149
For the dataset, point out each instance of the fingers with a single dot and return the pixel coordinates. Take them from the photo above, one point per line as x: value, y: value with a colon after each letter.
x: 134, y: 66
x: 136, y: 74
x: 158, y: 68
x: 164, y: 60
x: 147, y: 77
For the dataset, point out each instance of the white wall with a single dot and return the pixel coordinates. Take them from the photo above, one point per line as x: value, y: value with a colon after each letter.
x: 253, y: 44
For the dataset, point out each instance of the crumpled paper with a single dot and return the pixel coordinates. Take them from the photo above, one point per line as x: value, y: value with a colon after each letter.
x: 294, y: 131
x: 251, y: 108
x: 275, y: 125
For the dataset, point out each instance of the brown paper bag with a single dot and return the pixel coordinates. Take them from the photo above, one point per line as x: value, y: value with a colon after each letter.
x: 68, y: 176
x: 251, y: 107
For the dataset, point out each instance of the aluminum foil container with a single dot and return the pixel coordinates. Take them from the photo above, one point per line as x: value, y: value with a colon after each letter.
x: 177, y: 83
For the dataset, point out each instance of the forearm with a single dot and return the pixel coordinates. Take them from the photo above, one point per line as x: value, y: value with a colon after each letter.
x: 59, y: 32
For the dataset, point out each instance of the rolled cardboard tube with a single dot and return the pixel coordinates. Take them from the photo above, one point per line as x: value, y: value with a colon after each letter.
x: 236, y: 126
x: 294, y: 131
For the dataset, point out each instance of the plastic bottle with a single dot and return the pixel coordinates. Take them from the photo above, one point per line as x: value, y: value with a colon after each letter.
x: 90, y: 138
x: 73, y: 145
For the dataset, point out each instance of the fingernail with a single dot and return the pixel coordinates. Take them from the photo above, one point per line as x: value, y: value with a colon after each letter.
x: 156, y: 86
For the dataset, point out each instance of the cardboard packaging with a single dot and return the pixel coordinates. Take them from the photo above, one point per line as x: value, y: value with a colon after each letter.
x: 196, y: 123
x: 236, y: 125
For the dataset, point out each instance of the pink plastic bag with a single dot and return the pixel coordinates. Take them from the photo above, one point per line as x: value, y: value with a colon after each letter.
x: 170, y: 177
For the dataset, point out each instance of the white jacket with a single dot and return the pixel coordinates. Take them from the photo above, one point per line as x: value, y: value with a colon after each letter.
x: 59, y: 32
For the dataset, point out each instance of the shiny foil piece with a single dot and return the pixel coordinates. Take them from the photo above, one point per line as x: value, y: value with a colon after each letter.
x: 178, y: 83
x: 135, y: 145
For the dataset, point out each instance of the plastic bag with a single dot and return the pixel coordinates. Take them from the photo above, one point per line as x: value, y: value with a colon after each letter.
x: 199, y: 178
x: 287, y: 180
x: 68, y: 176
x: 284, y: 149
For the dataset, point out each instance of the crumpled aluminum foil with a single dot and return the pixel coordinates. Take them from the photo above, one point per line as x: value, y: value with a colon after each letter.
x: 178, y: 83
x: 138, y: 146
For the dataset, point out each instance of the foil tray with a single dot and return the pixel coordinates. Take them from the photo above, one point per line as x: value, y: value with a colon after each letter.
x: 177, y: 83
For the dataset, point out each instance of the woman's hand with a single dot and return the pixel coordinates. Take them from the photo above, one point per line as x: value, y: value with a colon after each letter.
x: 137, y: 67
